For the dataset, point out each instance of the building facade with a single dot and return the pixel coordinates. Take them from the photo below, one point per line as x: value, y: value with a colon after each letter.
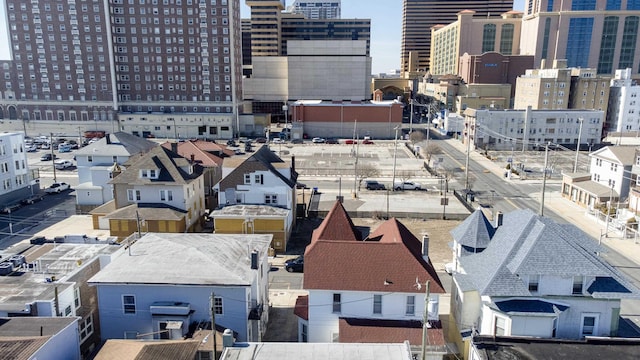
x: 598, y: 34
x: 316, y: 9
x: 17, y: 182
x: 419, y: 16
x: 624, y: 107
x: 473, y: 35
x: 95, y: 61
x: 529, y: 129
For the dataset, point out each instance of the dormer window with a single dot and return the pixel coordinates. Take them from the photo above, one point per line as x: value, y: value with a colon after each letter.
x: 149, y: 174
x: 534, y: 280
x: 578, y: 281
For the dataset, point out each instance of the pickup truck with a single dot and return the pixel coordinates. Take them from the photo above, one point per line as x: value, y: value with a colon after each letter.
x: 407, y: 185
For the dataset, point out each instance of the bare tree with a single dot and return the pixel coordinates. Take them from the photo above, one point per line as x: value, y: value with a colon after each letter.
x: 430, y: 150
x: 446, y: 173
x: 366, y: 171
x: 416, y: 136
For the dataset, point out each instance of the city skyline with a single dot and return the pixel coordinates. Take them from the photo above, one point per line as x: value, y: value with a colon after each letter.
x: 385, y: 29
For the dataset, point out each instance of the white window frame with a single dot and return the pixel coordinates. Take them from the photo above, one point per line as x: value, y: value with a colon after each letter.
x: 596, y: 322
x: 133, y: 195
x: 247, y: 179
x: 336, y: 305
x: 410, y: 307
x: 377, y: 304
x: 86, y: 328
x: 166, y: 195
x: 76, y: 298
x: 496, y: 326
x: 218, y: 305
x: 271, y: 199
x: 126, y: 306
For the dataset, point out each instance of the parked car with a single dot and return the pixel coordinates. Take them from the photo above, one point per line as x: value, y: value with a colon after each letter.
x: 32, y: 199
x: 278, y: 141
x: 47, y: 157
x: 11, y: 208
x: 32, y: 148
x: 318, y: 140
x: 231, y: 142
x: 374, y: 185
x: 350, y: 141
x: 63, y: 164
x: 295, y: 265
x: 261, y: 140
x: 367, y: 142
x: 62, y: 148
x: 57, y: 188
x: 332, y: 141
x: 407, y: 185
x: 300, y: 185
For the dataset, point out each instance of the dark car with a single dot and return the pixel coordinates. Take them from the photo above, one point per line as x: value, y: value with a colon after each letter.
x: 231, y: 143
x: 47, y: 157
x: 261, y: 140
x: 374, y: 185
x: 295, y: 265
x: 333, y: 141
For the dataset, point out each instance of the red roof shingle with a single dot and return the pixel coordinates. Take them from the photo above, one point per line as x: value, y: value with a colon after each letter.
x: 301, y: 308
x: 354, y: 330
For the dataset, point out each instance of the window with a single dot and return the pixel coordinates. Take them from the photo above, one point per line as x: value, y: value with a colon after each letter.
x: 67, y: 311
x: 150, y: 174
x: 90, y: 158
x: 411, y: 305
x: 305, y: 333
x: 271, y: 199
x: 500, y: 325
x: 533, y: 282
x: 247, y: 179
x: 377, y: 304
x: 577, y: 285
x: 129, y: 304
x: 337, y: 304
x: 258, y: 179
x: 133, y: 195
x: 76, y: 297
x: 86, y: 328
x: 166, y: 195
x: 217, y: 306
x: 589, y: 324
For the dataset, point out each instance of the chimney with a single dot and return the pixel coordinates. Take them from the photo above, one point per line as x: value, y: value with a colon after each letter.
x: 174, y: 147
x: 254, y: 260
x: 108, y: 136
x: 499, y: 217
x: 193, y: 158
x: 227, y: 338
x: 425, y: 247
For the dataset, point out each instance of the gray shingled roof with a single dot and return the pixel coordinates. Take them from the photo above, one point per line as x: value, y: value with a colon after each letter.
x: 119, y: 144
x: 474, y: 232
x: 527, y: 244
x: 263, y: 159
x: 170, y: 165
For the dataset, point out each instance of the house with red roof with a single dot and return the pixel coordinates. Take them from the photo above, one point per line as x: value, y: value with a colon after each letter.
x: 369, y: 289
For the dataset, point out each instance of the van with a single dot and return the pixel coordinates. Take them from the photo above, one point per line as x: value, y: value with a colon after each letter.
x: 62, y: 148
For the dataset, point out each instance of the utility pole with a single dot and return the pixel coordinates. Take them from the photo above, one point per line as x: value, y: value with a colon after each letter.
x: 606, y: 233
x: 355, y: 166
x: 544, y: 178
x: 395, y: 155
x: 575, y: 164
x: 466, y: 163
x: 53, y: 158
x: 425, y: 322
x: 527, y: 113
x: 411, y: 116
x: 212, y: 301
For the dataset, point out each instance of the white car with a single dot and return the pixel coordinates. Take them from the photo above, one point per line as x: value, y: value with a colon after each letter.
x: 278, y: 141
x: 407, y: 185
x: 63, y: 164
x: 57, y: 188
x: 318, y: 140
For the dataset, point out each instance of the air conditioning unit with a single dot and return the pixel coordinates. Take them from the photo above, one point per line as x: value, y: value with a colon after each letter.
x: 6, y: 268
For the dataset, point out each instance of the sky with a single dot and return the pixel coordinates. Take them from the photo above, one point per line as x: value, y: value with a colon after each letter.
x: 386, y: 28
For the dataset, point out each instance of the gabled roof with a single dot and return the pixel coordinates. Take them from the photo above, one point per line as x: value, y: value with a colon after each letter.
x: 169, y: 164
x: 357, y: 330
x: 190, y: 148
x: 622, y: 155
x: 212, y: 147
x: 262, y: 160
x: 474, y: 232
x: 117, y: 144
x: 301, y: 308
x: 337, y: 225
x: 199, y: 259
x: 528, y: 244
x: 389, y: 260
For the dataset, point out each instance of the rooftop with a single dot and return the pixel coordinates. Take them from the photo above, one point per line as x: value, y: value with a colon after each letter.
x: 317, y: 351
x: 203, y: 259
x: 28, y: 283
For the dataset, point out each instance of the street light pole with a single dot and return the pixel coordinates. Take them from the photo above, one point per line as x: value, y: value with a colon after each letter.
x: 575, y: 164
x: 411, y: 117
x: 606, y: 233
x: 466, y: 163
x: 544, y: 177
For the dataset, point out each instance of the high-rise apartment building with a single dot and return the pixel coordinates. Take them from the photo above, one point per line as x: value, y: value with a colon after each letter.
x: 418, y: 16
x: 114, y: 59
x: 265, y: 26
x: 316, y: 9
x: 624, y: 109
x: 598, y: 34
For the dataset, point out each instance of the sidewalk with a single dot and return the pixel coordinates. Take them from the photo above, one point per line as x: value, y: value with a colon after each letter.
x: 570, y: 212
